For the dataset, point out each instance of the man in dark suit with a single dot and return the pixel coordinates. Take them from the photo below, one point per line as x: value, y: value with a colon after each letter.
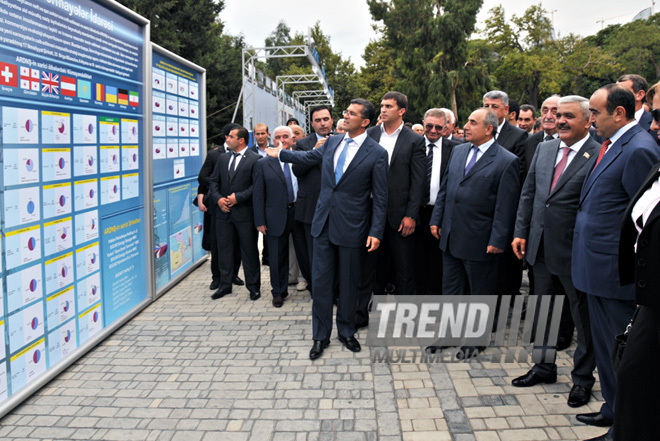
x: 428, y: 257
x: 527, y: 118
x: 543, y: 235
x: 638, y: 86
x: 274, y: 200
x: 624, y: 159
x: 209, y: 240
x: 448, y: 132
x: 230, y: 188
x: 549, y: 132
x: 405, y: 187
x: 309, y: 179
x: 350, y: 214
x: 261, y: 143
x: 475, y: 210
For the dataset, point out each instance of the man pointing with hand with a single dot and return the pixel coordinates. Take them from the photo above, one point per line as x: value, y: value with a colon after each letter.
x: 346, y: 220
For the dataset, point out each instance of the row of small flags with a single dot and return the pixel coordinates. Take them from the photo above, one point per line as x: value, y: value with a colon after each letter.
x: 53, y: 84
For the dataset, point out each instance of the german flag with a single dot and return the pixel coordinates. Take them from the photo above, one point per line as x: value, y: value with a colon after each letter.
x: 122, y: 95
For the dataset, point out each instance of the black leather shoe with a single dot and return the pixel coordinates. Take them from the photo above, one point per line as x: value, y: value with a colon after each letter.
x: 603, y: 437
x: 278, y: 301
x: 351, y: 343
x: 237, y: 281
x: 594, y: 419
x: 255, y: 295
x: 317, y: 348
x: 220, y: 293
x: 469, y: 351
x: 579, y: 396
x: 214, y: 285
x: 532, y: 378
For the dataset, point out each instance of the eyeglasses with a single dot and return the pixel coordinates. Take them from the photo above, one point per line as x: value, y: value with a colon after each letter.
x: 656, y: 115
x: 438, y: 128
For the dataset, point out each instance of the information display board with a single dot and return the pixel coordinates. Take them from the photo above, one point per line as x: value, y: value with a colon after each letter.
x: 73, y: 225
x: 178, y: 149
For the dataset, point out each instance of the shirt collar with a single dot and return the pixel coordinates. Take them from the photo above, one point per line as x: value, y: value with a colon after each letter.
x: 499, y: 128
x: 436, y: 143
x: 483, y: 147
x: 394, y: 133
x: 358, y: 139
x: 638, y: 114
x: 619, y: 133
x: 575, y: 147
x: 242, y: 152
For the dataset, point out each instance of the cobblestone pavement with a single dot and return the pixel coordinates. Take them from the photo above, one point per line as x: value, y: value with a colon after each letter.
x: 189, y: 368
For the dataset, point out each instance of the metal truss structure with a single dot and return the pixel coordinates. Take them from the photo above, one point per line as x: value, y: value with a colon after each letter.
x: 253, y: 79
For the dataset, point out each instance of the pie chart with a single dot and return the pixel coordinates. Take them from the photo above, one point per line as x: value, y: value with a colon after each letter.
x: 192, y: 111
x: 91, y: 194
x: 134, y: 157
x: 157, y: 150
x: 114, y: 189
x: 67, y: 336
x: 64, y: 271
x: 171, y: 129
x: 62, y: 201
x: 65, y: 307
x: 182, y: 110
x: 92, y: 224
x: 183, y: 129
x: 35, y: 323
x: 157, y: 104
x: 134, y: 131
x: 63, y: 235
x: 156, y: 80
x: 193, y: 148
x: 90, y: 161
x: 36, y: 356
x: 171, y: 149
x: 157, y: 128
x: 114, y: 159
x: 93, y: 258
x: 90, y: 129
x: 192, y: 129
x: 93, y: 290
x: 183, y: 149
x: 29, y: 125
x: 32, y: 243
x: 95, y: 317
x: 114, y: 129
x: 60, y: 127
x: 33, y: 285
x: 30, y: 207
x: 61, y: 163
x: 170, y: 107
x: 29, y: 165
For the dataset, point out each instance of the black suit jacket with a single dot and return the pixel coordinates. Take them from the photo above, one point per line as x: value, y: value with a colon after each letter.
x: 642, y: 267
x: 207, y: 169
x: 309, y: 182
x: 406, y: 176
x: 513, y: 139
x: 530, y: 148
x: 221, y: 186
x: 269, y: 196
x: 645, y: 121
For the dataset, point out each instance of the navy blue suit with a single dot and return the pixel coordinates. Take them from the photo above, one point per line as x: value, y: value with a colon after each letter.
x: 606, y: 193
x: 345, y: 215
x: 272, y: 209
x: 473, y: 212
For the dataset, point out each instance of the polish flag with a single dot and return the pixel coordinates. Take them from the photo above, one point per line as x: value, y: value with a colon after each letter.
x: 68, y: 86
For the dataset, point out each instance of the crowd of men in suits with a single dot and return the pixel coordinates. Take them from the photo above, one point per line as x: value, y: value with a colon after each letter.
x: 373, y: 210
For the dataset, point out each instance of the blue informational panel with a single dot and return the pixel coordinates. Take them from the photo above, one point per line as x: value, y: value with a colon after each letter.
x: 178, y: 144
x: 72, y: 145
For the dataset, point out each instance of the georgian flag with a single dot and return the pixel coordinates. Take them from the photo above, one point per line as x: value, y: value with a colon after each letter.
x: 29, y: 79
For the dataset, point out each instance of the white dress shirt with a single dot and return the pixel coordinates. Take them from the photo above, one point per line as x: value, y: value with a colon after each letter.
x: 480, y: 152
x: 388, y: 141
x: 352, y: 149
x: 619, y: 133
x: 645, y: 206
x: 574, y: 149
x: 237, y: 160
x: 435, y: 170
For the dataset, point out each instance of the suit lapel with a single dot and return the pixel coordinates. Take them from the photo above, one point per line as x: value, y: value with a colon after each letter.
x: 547, y: 167
x: 275, y: 165
x: 445, y: 151
x: 329, y: 163
x: 486, y: 158
x: 502, y: 137
x: 360, y: 155
x: 399, y: 141
x: 581, y: 157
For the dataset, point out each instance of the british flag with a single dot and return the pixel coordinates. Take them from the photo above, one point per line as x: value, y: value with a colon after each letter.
x: 50, y: 83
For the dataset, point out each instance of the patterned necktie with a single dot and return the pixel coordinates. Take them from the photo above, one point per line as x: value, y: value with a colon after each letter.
x: 472, y: 161
x: 339, y: 170
x: 232, y: 166
x: 603, y: 149
x: 548, y: 138
x: 289, y: 184
x: 429, y: 172
x: 559, y: 168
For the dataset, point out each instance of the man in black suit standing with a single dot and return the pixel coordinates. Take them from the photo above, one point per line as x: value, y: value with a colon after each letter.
x: 405, y: 183
x: 209, y: 240
x: 428, y: 257
x: 350, y: 215
x: 543, y: 235
x: 638, y: 86
x: 549, y: 132
x: 261, y: 143
x: 309, y: 180
x: 274, y: 200
x: 230, y: 187
x: 475, y: 210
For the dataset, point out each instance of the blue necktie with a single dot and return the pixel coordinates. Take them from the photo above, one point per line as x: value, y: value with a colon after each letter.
x: 339, y: 170
x: 472, y: 161
x: 289, y: 184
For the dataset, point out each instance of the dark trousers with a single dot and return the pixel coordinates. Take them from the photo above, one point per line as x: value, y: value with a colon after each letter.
x: 232, y: 234
x: 584, y: 360
x: 279, y: 258
x: 331, y: 261
x: 304, y: 232
x: 607, y: 318
x: 213, y: 244
x: 638, y: 387
x: 462, y: 277
x: 428, y: 257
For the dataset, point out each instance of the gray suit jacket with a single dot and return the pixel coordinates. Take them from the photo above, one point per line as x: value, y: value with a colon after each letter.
x: 551, y: 215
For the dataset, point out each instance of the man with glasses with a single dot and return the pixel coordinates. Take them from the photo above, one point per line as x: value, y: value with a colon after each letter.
x: 428, y: 257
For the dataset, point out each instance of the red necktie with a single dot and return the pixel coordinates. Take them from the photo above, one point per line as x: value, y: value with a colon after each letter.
x: 603, y: 149
x: 559, y: 168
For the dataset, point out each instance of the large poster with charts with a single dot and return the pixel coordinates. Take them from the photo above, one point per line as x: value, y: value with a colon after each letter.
x: 72, y: 101
x: 178, y: 130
